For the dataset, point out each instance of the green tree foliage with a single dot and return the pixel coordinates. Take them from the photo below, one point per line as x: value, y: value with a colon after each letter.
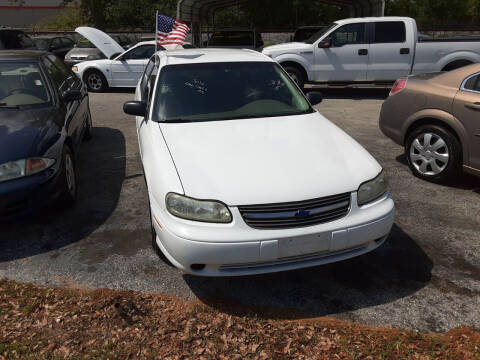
x: 431, y: 13
x: 268, y: 14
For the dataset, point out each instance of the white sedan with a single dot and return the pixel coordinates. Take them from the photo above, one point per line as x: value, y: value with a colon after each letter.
x: 120, y: 68
x: 243, y: 175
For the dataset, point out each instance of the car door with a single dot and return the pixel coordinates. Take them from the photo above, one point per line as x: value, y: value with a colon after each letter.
x: 67, y: 45
x: 56, y: 46
x: 128, y: 68
x: 466, y: 108
x: 391, y: 52
x: 346, y: 58
x: 74, y: 111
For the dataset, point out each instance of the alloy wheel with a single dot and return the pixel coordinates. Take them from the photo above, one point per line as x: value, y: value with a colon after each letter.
x: 70, y: 174
x: 95, y: 82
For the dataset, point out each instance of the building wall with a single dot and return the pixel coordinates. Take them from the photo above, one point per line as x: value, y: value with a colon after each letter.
x: 25, y: 13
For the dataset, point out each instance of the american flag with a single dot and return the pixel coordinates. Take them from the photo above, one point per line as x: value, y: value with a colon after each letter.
x: 170, y: 31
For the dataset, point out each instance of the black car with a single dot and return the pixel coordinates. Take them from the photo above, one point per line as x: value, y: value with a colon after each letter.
x: 59, y: 45
x: 122, y: 40
x: 12, y: 39
x: 44, y: 116
x: 305, y: 32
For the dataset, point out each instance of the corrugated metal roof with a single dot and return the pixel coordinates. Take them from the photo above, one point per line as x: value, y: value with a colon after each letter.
x: 203, y: 10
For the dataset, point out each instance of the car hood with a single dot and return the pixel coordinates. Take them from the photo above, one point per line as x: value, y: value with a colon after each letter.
x: 268, y: 160
x: 25, y: 133
x: 293, y: 47
x: 102, y: 41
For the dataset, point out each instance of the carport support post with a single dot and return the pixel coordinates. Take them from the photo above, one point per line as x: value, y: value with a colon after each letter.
x: 196, y: 33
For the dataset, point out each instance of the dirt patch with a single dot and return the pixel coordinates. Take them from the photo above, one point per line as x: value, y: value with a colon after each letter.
x: 53, y: 323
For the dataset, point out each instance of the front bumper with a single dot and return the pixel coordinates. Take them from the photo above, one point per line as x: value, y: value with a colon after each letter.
x: 24, y: 196
x: 264, y: 251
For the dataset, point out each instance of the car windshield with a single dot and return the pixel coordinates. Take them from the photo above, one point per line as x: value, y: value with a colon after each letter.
x: 319, y: 34
x: 42, y: 44
x: 226, y: 91
x: 21, y: 84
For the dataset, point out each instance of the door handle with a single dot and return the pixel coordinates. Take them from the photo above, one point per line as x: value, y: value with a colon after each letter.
x: 404, y: 51
x: 363, y: 52
x: 475, y: 106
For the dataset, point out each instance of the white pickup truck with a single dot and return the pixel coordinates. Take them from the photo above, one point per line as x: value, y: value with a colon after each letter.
x: 371, y: 51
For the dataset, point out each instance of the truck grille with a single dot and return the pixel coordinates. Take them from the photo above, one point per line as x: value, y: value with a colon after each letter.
x: 296, y: 214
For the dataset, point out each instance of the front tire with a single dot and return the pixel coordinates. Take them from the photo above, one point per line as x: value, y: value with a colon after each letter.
x: 433, y: 153
x: 68, y: 178
x: 296, y: 75
x: 95, y: 81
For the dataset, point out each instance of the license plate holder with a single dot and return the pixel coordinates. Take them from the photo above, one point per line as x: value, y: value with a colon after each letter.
x: 304, y: 245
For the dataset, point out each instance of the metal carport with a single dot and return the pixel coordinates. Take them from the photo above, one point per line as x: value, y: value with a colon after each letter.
x: 199, y: 12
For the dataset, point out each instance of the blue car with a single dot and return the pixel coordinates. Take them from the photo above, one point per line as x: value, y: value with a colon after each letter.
x: 44, y: 117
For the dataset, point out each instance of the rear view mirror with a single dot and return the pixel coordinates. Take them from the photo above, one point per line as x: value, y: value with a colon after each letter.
x: 72, y: 95
x: 136, y: 108
x: 325, y: 43
x: 314, y: 97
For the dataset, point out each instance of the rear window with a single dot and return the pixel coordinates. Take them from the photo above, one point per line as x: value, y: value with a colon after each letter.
x: 473, y: 84
x: 390, y: 32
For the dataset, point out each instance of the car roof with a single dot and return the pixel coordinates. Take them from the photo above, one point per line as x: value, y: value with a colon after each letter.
x: 212, y: 55
x: 373, y: 19
x: 21, y: 54
x: 149, y: 42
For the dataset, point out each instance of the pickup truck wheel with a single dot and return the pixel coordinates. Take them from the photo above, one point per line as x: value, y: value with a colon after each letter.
x: 456, y: 65
x: 95, y: 81
x: 296, y: 75
x: 433, y: 153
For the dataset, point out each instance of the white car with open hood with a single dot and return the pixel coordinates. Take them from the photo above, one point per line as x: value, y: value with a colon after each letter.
x: 120, y: 68
x: 243, y: 175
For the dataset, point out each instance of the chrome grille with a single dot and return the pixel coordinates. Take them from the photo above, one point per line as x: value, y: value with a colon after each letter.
x: 296, y: 214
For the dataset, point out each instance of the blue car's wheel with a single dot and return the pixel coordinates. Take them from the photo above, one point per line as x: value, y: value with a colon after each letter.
x: 69, y: 178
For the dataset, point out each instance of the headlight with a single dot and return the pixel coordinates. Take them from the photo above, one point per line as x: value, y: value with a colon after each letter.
x: 197, y: 210
x: 373, y: 189
x: 75, y: 68
x: 25, y: 167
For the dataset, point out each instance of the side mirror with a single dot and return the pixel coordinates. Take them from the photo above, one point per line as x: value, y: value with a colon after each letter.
x: 314, y: 97
x: 325, y: 43
x: 136, y: 108
x: 72, y: 95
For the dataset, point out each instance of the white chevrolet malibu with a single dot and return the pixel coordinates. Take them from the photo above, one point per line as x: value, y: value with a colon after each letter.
x: 243, y: 175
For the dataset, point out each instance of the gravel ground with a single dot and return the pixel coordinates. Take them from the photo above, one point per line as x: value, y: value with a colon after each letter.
x: 426, y: 277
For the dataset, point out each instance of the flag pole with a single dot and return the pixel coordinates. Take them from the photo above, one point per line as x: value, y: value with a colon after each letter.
x: 156, y: 31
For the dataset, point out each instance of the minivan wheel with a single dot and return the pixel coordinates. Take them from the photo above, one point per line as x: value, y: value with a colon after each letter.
x: 95, y: 81
x: 433, y: 153
x: 296, y: 75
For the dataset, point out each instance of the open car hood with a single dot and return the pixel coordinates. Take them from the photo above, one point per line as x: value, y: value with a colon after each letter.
x: 102, y: 41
